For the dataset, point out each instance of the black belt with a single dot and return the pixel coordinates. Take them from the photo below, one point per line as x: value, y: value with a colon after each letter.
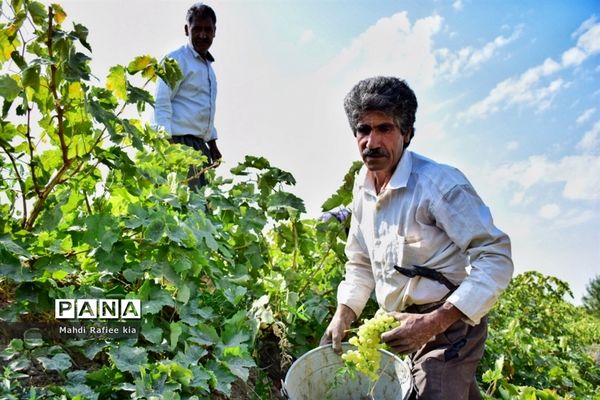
x: 429, y: 273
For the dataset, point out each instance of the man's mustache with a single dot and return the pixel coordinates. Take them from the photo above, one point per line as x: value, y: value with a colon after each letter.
x: 378, y: 152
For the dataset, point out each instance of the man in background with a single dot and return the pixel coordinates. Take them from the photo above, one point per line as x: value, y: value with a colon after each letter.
x: 187, y: 112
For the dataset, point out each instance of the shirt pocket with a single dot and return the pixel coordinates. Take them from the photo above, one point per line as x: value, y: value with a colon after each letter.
x: 411, y: 250
x: 398, y: 250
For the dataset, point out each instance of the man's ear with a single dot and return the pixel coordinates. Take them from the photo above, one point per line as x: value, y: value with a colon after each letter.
x: 186, y: 30
x: 407, y: 137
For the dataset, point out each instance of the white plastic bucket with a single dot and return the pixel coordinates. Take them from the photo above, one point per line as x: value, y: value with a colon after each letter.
x: 313, y: 377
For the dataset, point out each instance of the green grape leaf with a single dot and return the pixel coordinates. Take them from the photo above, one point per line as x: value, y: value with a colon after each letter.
x: 58, y: 362
x: 234, y: 294
x: 127, y: 358
x: 190, y: 356
x: 156, y: 301
x: 224, y: 378
x: 81, y: 33
x: 59, y: 13
x: 175, y: 331
x: 116, y: 82
x: 31, y: 77
x: 38, y: 12
x: 170, y: 72
x: 9, y: 245
x: 204, y: 335
x: 82, y: 391
x: 152, y: 333
x: 9, y: 88
x: 140, y: 63
x: 240, y: 366
x: 343, y: 196
x: 202, y: 378
x: 155, y: 230
x: 183, y: 294
x: 18, y: 59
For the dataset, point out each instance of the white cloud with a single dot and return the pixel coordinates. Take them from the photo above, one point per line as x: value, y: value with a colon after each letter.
x: 307, y: 36
x: 512, y: 145
x: 384, y: 48
x: 458, y: 5
x: 549, y: 211
x: 590, y: 142
x: 529, y: 89
x: 585, y: 115
x: 587, y: 24
x: 575, y: 217
x: 517, y: 198
x: 579, y: 175
x: 469, y: 59
x: 520, y: 199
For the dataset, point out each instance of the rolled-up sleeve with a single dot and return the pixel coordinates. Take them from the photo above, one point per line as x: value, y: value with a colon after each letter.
x: 358, y: 284
x: 468, y: 223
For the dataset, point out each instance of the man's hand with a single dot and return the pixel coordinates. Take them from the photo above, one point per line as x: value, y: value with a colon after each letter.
x: 338, y: 327
x: 416, y: 330
x: 215, y: 154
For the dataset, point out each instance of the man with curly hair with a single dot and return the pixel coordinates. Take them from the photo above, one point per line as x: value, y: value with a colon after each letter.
x: 424, y: 241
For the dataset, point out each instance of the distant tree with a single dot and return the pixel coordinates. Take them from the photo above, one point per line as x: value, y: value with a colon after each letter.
x: 591, y: 299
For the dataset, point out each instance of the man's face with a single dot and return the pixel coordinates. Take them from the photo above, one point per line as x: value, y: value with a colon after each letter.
x: 201, y: 33
x: 380, y: 141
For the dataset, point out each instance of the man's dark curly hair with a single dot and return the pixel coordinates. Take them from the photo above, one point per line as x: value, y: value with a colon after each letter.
x: 389, y: 95
x: 200, y: 10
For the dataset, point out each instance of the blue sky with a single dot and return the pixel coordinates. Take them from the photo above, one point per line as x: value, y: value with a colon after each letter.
x: 509, y: 92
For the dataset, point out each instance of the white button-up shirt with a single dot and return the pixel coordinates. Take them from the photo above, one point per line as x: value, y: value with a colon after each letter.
x: 428, y: 215
x: 188, y: 109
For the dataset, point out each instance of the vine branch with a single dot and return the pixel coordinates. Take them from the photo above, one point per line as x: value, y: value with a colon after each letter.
x: 39, y: 204
x: 30, y: 146
x: 53, y: 89
x: 43, y: 194
x: 330, y: 245
x: 20, y: 180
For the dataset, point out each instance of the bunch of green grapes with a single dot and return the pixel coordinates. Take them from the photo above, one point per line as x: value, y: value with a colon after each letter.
x: 366, y: 358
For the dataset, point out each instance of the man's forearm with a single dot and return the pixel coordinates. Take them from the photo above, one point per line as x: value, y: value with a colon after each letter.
x: 445, y: 316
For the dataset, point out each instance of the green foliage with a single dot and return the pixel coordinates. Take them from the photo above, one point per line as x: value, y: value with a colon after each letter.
x: 538, y: 340
x: 96, y: 205
x: 591, y: 298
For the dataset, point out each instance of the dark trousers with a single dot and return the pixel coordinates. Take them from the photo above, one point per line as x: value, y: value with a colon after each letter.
x: 197, y: 180
x: 445, y: 367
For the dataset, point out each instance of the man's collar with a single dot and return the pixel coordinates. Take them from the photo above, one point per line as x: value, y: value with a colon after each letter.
x: 209, y: 56
x: 399, y: 177
x: 402, y: 172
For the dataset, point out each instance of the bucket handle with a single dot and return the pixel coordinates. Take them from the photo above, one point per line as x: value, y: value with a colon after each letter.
x: 284, y: 391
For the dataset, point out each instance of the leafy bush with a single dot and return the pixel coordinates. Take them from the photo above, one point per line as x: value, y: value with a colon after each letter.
x: 234, y: 283
x: 539, y: 340
x: 591, y: 299
x: 95, y: 205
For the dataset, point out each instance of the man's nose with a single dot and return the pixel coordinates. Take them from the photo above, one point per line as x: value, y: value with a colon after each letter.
x: 374, y: 140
